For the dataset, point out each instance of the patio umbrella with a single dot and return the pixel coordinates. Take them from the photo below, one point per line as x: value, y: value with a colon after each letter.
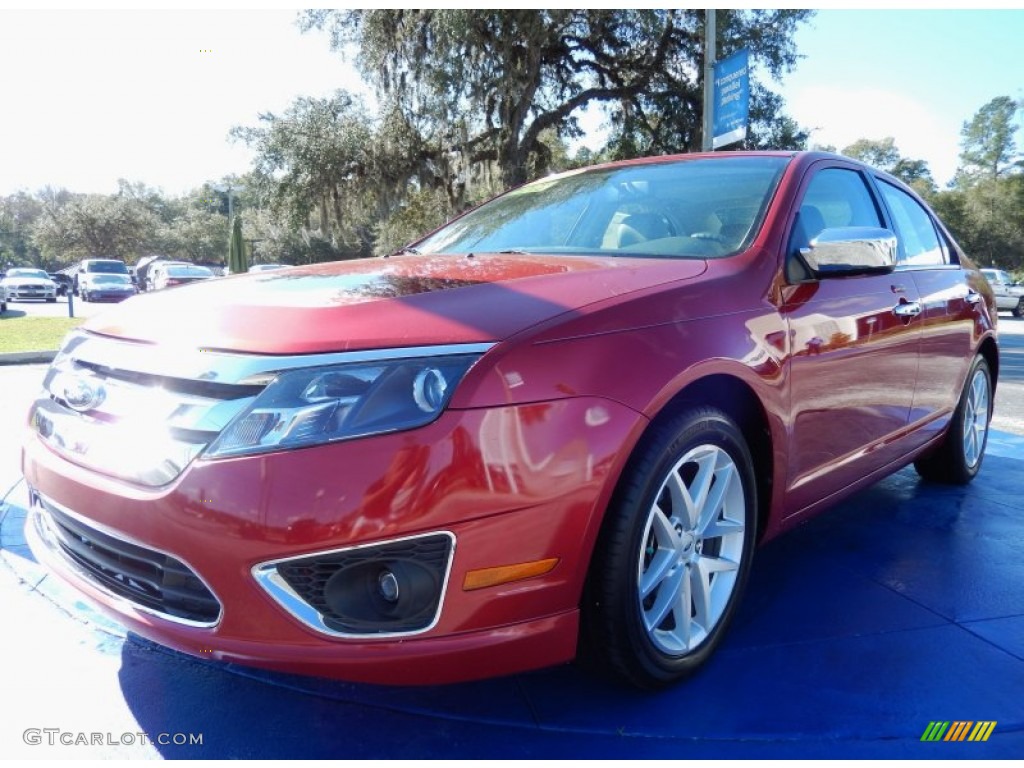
x: 237, y: 262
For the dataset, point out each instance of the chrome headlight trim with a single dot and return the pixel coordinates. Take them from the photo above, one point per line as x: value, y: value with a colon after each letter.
x: 225, y: 367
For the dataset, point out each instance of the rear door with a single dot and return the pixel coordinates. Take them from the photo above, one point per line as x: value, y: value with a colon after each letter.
x: 949, y: 309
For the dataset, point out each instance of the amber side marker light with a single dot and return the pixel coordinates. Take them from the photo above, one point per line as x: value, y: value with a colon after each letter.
x: 503, y: 574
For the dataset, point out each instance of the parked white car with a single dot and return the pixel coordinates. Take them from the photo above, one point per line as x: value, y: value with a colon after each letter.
x: 25, y: 283
x: 1009, y: 294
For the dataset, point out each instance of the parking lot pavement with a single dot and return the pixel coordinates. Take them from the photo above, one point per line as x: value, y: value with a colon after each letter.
x: 57, y: 309
x: 899, y: 608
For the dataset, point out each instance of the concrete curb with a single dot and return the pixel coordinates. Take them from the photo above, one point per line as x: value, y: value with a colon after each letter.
x: 25, y: 358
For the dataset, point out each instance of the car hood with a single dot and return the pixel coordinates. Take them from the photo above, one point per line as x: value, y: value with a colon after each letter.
x: 400, y: 301
x: 27, y: 281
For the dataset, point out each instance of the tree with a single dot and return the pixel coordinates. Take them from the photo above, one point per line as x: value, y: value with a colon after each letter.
x: 879, y: 153
x: 324, y: 166
x: 18, y: 216
x: 483, y: 86
x: 884, y: 155
x: 84, y: 226
x: 988, y: 149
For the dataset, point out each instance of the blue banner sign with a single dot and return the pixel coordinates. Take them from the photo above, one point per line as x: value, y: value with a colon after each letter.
x: 731, y: 99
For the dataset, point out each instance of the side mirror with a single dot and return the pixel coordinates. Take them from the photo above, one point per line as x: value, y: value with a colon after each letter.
x: 844, y: 251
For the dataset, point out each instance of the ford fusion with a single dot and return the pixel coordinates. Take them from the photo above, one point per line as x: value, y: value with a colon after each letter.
x: 560, y: 423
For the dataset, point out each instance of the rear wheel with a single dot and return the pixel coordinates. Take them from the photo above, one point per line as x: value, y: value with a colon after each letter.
x: 675, y: 551
x: 1018, y: 311
x: 958, y: 457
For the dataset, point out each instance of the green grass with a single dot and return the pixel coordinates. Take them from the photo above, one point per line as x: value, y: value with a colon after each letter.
x: 34, y: 334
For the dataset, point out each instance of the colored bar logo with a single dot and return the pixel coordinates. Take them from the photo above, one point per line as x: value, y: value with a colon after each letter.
x: 958, y: 730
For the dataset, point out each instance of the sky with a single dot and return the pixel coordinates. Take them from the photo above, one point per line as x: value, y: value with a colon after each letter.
x: 89, y: 97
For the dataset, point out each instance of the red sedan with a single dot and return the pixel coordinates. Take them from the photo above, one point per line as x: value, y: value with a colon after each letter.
x: 566, y: 418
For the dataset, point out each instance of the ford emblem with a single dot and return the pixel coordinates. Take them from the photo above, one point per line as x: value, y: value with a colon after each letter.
x: 82, y: 394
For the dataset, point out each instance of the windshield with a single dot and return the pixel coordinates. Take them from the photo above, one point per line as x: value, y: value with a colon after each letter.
x: 703, y: 208
x: 28, y: 273
x: 108, y: 267
x: 187, y: 271
x: 116, y: 279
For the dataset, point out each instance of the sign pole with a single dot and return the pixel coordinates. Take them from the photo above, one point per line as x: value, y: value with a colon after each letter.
x: 709, y: 80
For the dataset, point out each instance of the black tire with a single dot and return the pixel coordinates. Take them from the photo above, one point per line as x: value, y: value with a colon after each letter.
x: 51, y: 301
x: 1018, y: 311
x: 639, y: 637
x: 957, y: 459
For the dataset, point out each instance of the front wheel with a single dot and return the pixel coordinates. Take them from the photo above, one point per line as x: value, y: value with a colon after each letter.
x: 958, y: 457
x: 675, y: 550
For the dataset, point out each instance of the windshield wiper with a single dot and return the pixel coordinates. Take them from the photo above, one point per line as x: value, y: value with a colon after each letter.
x: 403, y: 249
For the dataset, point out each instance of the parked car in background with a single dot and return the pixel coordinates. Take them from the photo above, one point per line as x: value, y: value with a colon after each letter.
x: 172, y: 274
x: 21, y: 283
x: 564, y: 420
x: 153, y: 270
x: 89, y: 268
x: 65, y: 283
x: 1009, y: 293
x: 142, y: 268
x: 102, y: 287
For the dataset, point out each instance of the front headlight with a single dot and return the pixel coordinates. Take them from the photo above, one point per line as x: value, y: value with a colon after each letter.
x: 321, y: 405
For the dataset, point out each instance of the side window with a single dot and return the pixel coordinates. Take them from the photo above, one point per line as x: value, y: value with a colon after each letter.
x: 836, y: 197
x: 914, y: 228
x: 843, y: 198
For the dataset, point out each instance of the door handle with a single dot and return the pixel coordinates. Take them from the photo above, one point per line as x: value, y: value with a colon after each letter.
x: 907, y: 310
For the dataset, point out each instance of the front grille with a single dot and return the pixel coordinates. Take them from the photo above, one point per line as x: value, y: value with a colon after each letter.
x: 148, y: 578
x: 177, y: 416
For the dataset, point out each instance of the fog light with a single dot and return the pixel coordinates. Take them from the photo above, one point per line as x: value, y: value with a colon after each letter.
x: 383, y: 594
x: 387, y: 584
x: 391, y: 588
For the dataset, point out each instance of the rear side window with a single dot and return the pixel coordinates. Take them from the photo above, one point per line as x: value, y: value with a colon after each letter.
x: 920, y: 243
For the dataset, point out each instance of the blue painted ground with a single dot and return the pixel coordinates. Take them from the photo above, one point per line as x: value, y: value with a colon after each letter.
x: 902, y: 606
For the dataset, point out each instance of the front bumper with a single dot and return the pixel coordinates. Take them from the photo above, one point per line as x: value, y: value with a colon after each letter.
x: 511, y: 485
x: 26, y: 292
x: 101, y: 295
